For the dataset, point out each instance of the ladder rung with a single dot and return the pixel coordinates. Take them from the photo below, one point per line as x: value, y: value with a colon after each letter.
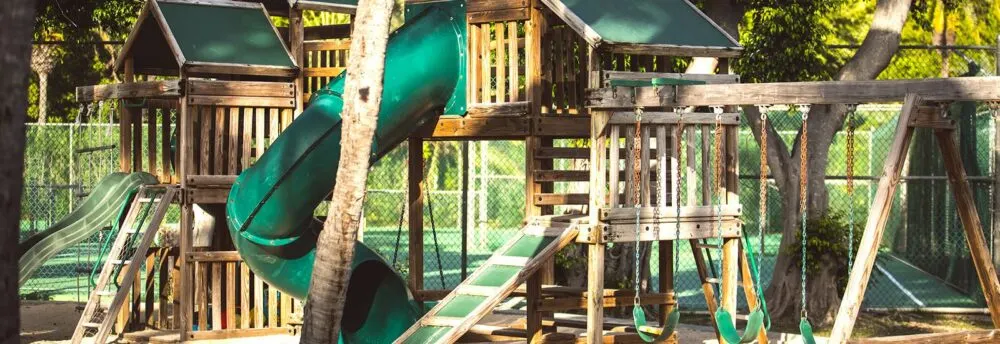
x: 441, y: 321
x: 508, y: 260
x: 120, y: 261
x: 477, y: 290
x: 90, y: 324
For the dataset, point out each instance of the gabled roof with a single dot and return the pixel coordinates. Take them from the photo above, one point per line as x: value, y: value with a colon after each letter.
x: 341, y: 6
x: 207, y: 36
x: 670, y: 27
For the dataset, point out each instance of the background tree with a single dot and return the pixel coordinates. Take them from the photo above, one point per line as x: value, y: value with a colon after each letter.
x: 335, y: 247
x: 16, y: 20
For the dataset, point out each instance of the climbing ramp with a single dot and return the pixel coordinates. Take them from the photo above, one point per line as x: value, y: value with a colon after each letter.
x: 123, y: 262
x: 507, y: 269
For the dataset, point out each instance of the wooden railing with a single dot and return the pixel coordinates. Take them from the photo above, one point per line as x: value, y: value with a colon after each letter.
x: 564, y: 71
x: 324, y: 60
x: 230, y: 300
x: 152, y: 300
x: 147, y: 127
x: 496, y: 61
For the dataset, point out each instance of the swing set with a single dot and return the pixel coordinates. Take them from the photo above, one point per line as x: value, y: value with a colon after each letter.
x: 641, y: 213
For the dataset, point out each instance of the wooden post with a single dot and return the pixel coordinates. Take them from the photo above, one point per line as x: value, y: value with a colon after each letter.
x: 730, y: 273
x: 296, y: 36
x: 187, y: 216
x: 875, y: 226
x: 595, y: 252
x: 534, y: 321
x: 415, y: 195
x: 966, y: 207
x: 125, y: 124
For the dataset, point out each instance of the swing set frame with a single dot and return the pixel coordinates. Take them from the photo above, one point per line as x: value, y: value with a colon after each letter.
x: 922, y: 108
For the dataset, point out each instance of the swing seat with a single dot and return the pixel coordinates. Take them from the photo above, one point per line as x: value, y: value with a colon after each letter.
x: 806, y: 330
x: 639, y: 318
x: 724, y: 323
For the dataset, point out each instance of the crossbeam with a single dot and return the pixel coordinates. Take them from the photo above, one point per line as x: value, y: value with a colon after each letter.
x: 814, y: 92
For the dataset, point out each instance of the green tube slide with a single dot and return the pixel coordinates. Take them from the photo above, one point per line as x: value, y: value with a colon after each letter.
x: 99, y: 210
x: 270, y: 208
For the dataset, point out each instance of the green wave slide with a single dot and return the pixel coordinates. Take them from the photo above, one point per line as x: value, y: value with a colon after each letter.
x: 270, y: 208
x: 107, y: 203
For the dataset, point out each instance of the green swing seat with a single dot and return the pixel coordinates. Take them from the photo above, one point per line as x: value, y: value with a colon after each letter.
x: 757, y: 319
x: 645, y: 333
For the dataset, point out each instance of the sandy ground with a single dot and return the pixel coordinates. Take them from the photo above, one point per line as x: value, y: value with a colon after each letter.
x: 53, y: 322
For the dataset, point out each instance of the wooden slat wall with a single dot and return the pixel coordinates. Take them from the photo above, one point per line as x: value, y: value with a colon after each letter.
x: 232, y: 297
x: 231, y: 138
x: 151, y: 302
x: 564, y: 74
x: 496, y: 59
x: 324, y: 60
x: 147, y: 129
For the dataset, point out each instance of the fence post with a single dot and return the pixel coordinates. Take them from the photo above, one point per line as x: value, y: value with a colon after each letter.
x: 464, y: 217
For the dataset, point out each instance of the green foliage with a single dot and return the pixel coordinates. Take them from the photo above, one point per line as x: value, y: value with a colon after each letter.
x: 826, y: 246
x: 784, y: 42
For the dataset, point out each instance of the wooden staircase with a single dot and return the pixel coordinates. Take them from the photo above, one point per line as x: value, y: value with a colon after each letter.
x: 495, y: 280
x: 137, y: 232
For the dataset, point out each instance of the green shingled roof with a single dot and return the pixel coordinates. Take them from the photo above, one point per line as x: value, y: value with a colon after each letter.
x: 223, y: 34
x: 660, y: 22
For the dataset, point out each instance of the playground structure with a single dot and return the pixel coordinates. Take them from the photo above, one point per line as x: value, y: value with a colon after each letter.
x: 533, y: 70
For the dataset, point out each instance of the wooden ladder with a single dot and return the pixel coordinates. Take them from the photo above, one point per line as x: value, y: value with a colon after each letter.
x: 130, y: 246
x: 507, y: 269
x: 700, y: 248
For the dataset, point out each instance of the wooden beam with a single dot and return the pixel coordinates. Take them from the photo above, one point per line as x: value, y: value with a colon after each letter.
x: 674, y: 50
x: 875, y: 225
x: 973, y: 228
x: 493, y: 5
x: 243, y: 101
x: 477, y: 128
x: 212, y: 68
x: 415, y: 195
x: 974, y: 336
x: 609, y: 75
x: 205, y: 87
x: 511, y: 14
x: 320, y: 32
x: 513, y: 109
x: 141, y: 89
x: 562, y: 126
x: 814, y: 92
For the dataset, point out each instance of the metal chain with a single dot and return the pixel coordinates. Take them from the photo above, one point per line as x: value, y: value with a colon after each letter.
x: 803, y: 193
x: 850, y: 183
x: 764, y: 171
x: 636, y: 179
x: 717, y: 171
x: 677, y: 183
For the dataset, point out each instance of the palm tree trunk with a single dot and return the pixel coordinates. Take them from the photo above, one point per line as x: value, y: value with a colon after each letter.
x: 335, y: 247
x: 16, y: 20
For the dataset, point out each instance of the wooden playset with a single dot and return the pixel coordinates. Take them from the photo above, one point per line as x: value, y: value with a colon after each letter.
x: 200, y: 104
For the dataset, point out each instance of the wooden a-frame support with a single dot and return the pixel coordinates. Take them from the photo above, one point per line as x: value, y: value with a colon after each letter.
x: 913, y: 115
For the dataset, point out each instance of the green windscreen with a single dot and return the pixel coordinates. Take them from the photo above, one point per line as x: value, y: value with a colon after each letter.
x: 670, y: 22
x: 221, y: 34
x: 529, y: 246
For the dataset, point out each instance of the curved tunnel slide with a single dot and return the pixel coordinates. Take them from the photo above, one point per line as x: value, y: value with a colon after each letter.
x: 270, y: 207
x: 106, y: 204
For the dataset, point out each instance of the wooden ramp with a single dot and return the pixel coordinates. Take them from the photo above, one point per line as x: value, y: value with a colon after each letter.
x: 136, y: 234
x: 496, y: 279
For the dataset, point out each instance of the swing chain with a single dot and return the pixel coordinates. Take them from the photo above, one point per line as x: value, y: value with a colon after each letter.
x: 764, y: 171
x: 636, y: 175
x: 851, y: 113
x: 717, y: 171
x: 803, y: 193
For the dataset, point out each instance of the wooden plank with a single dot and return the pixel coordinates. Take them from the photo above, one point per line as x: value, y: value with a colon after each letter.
x: 966, y: 206
x: 510, y: 109
x: 247, y: 151
x: 614, y: 168
x: 216, y: 296
x: 214, y: 256
x: 207, y: 196
x: 137, y: 116
x: 971, y: 336
x: 562, y: 126
x: 693, y: 212
x: 558, y: 71
x: 240, y: 333
x: 204, y: 126
x: 705, y: 229
x: 165, y: 151
x: 233, y: 152
x: 286, y: 309
x: 484, y: 64
x: 675, y: 50
x: 140, y: 89
x: 273, y: 125
x: 595, y: 293
x: 562, y: 304
x: 561, y: 198
x: 314, y: 72
x: 481, y: 128
x: 653, y: 118
x: 245, y: 296
x: 493, y: 5
x: 278, y: 102
x: 553, y: 176
x: 562, y: 153
x: 201, y: 294
x: 230, y: 295
x: 125, y: 139
x: 878, y: 215
x: 534, y: 319
x: 503, y: 15
x: 272, y: 306
x: 205, y: 87
x: 644, y: 161
x: 473, y: 63
x: 211, y: 68
x: 729, y: 276
x: 151, y: 130
x: 813, y: 92
x: 196, y: 180
x: 258, y: 302
x: 501, y: 58
x: 513, y: 61
x: 750, y: 292
x: 221, y: 153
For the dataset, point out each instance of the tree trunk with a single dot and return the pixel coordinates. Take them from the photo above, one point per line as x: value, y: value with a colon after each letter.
x: 875, y: 53
x: 335, y: 247
x: 16, y: 24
